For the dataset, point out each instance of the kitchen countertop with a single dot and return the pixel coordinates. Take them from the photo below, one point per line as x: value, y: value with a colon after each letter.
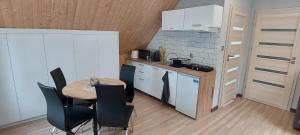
x: 179, y: 70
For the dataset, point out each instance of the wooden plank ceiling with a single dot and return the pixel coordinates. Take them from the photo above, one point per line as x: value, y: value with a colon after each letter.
x: 136, y: 20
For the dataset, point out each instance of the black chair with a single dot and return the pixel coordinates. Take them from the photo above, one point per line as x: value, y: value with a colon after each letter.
x: 61, y: 117
x: 60, y: 83
x: 127, y: 76
x: 112, y: 110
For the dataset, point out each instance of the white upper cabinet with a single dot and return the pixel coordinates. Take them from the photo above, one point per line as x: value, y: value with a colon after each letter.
x: 204, y: 18
x: 29, y: 67
x: 87, y: 56
x: 60, y: 53
x: 173, y: 20
x: 9, y: 111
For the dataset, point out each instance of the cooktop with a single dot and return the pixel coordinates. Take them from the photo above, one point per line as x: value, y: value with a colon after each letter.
x: 197, y: 67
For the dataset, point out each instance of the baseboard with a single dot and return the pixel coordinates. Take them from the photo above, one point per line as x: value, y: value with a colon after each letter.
x: 239, y: 95
x: 214, y: 108
x: 293, y: 110
x: 22, y: 122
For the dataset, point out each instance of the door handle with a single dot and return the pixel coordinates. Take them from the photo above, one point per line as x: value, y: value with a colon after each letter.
x: 229, y: 56
x: 293, y: 60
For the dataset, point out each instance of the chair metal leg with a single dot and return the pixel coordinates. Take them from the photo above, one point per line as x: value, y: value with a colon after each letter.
x: 135, y: 114
x: 131, y: 121
x: 53, y: 131
x: 126, y: 132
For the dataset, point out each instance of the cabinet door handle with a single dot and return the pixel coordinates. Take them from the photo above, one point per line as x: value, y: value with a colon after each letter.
x: 155, y: 68
x: 141, y: 64
x: 141, y: 72
x: 141, y: 79
x: 196, y: 25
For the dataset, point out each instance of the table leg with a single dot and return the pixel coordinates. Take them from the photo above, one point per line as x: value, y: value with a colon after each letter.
x: 95, y: 130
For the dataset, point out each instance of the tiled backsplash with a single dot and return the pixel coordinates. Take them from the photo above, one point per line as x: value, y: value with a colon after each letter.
x: 202, y: 45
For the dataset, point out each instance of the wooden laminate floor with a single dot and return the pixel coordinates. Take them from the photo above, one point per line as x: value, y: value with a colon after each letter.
x: 242, y: 117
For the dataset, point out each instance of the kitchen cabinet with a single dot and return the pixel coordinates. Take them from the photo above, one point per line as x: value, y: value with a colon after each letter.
x: 204, y: 18
x: 86, y: 65
x: 9, y: 111
x: 187, y: 94
x: 108, y: 55
x: 173, y: 19
x: 28, y: 55
x: 173, y: 86
x: 142, y: 77
x: 59, y: 50
x: 29, y: 67
x: 149, y: 80
x: 191, y: 92
x: 156, y: 82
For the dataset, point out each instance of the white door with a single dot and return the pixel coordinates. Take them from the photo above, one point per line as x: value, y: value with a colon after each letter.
x: 109, y: 46
x: 29, y: 67
x: 273, y: 66
x: 187, y: 94
x: 173, y: 19
x: 9, y: 111
x: 86, y: 56
x: 233, y: 52
x: 60, y: 53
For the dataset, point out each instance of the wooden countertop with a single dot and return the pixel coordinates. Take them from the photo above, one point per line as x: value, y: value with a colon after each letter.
x: 179, y: 70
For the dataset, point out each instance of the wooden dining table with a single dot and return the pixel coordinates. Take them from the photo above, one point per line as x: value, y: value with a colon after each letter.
x: 82, y: 89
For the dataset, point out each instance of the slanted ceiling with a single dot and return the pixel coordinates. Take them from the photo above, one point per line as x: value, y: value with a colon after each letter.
x: 136, y: 20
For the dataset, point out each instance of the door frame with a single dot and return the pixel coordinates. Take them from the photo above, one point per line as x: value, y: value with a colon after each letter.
x: 228, y: 35
x: 297, y: 49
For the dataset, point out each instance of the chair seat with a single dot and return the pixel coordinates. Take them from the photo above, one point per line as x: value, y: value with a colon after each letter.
x: 77, y: 115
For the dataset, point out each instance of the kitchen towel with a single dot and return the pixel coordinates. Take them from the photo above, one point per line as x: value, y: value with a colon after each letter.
x: 166, y: 89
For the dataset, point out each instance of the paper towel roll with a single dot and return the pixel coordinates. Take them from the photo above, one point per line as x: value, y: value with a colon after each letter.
x: 134, y: 54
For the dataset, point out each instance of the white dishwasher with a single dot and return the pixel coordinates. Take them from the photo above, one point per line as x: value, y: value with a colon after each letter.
x: 187, y: 94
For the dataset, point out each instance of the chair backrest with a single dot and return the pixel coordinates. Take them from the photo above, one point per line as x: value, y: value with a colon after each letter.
x: 60, y: 82
x: 55, y: 108
x: 111, y: 105
x: 127, y: 75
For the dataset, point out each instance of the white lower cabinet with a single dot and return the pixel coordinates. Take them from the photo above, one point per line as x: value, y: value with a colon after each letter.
x: 59, y: 50
x: 187, y: 94
x: 156, y: 82
x: 148, y: 79
x: 29, y: 67
x: 172, y: 86
x: 27, y: 57
x: 142, y: 77
x: 86, y: 65
x: 9, y: 111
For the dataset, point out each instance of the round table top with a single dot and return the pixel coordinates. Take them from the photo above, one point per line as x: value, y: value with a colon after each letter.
x: 83, y: 90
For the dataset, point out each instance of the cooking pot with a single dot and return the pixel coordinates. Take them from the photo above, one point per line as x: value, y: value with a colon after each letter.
x: 179, y: 62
